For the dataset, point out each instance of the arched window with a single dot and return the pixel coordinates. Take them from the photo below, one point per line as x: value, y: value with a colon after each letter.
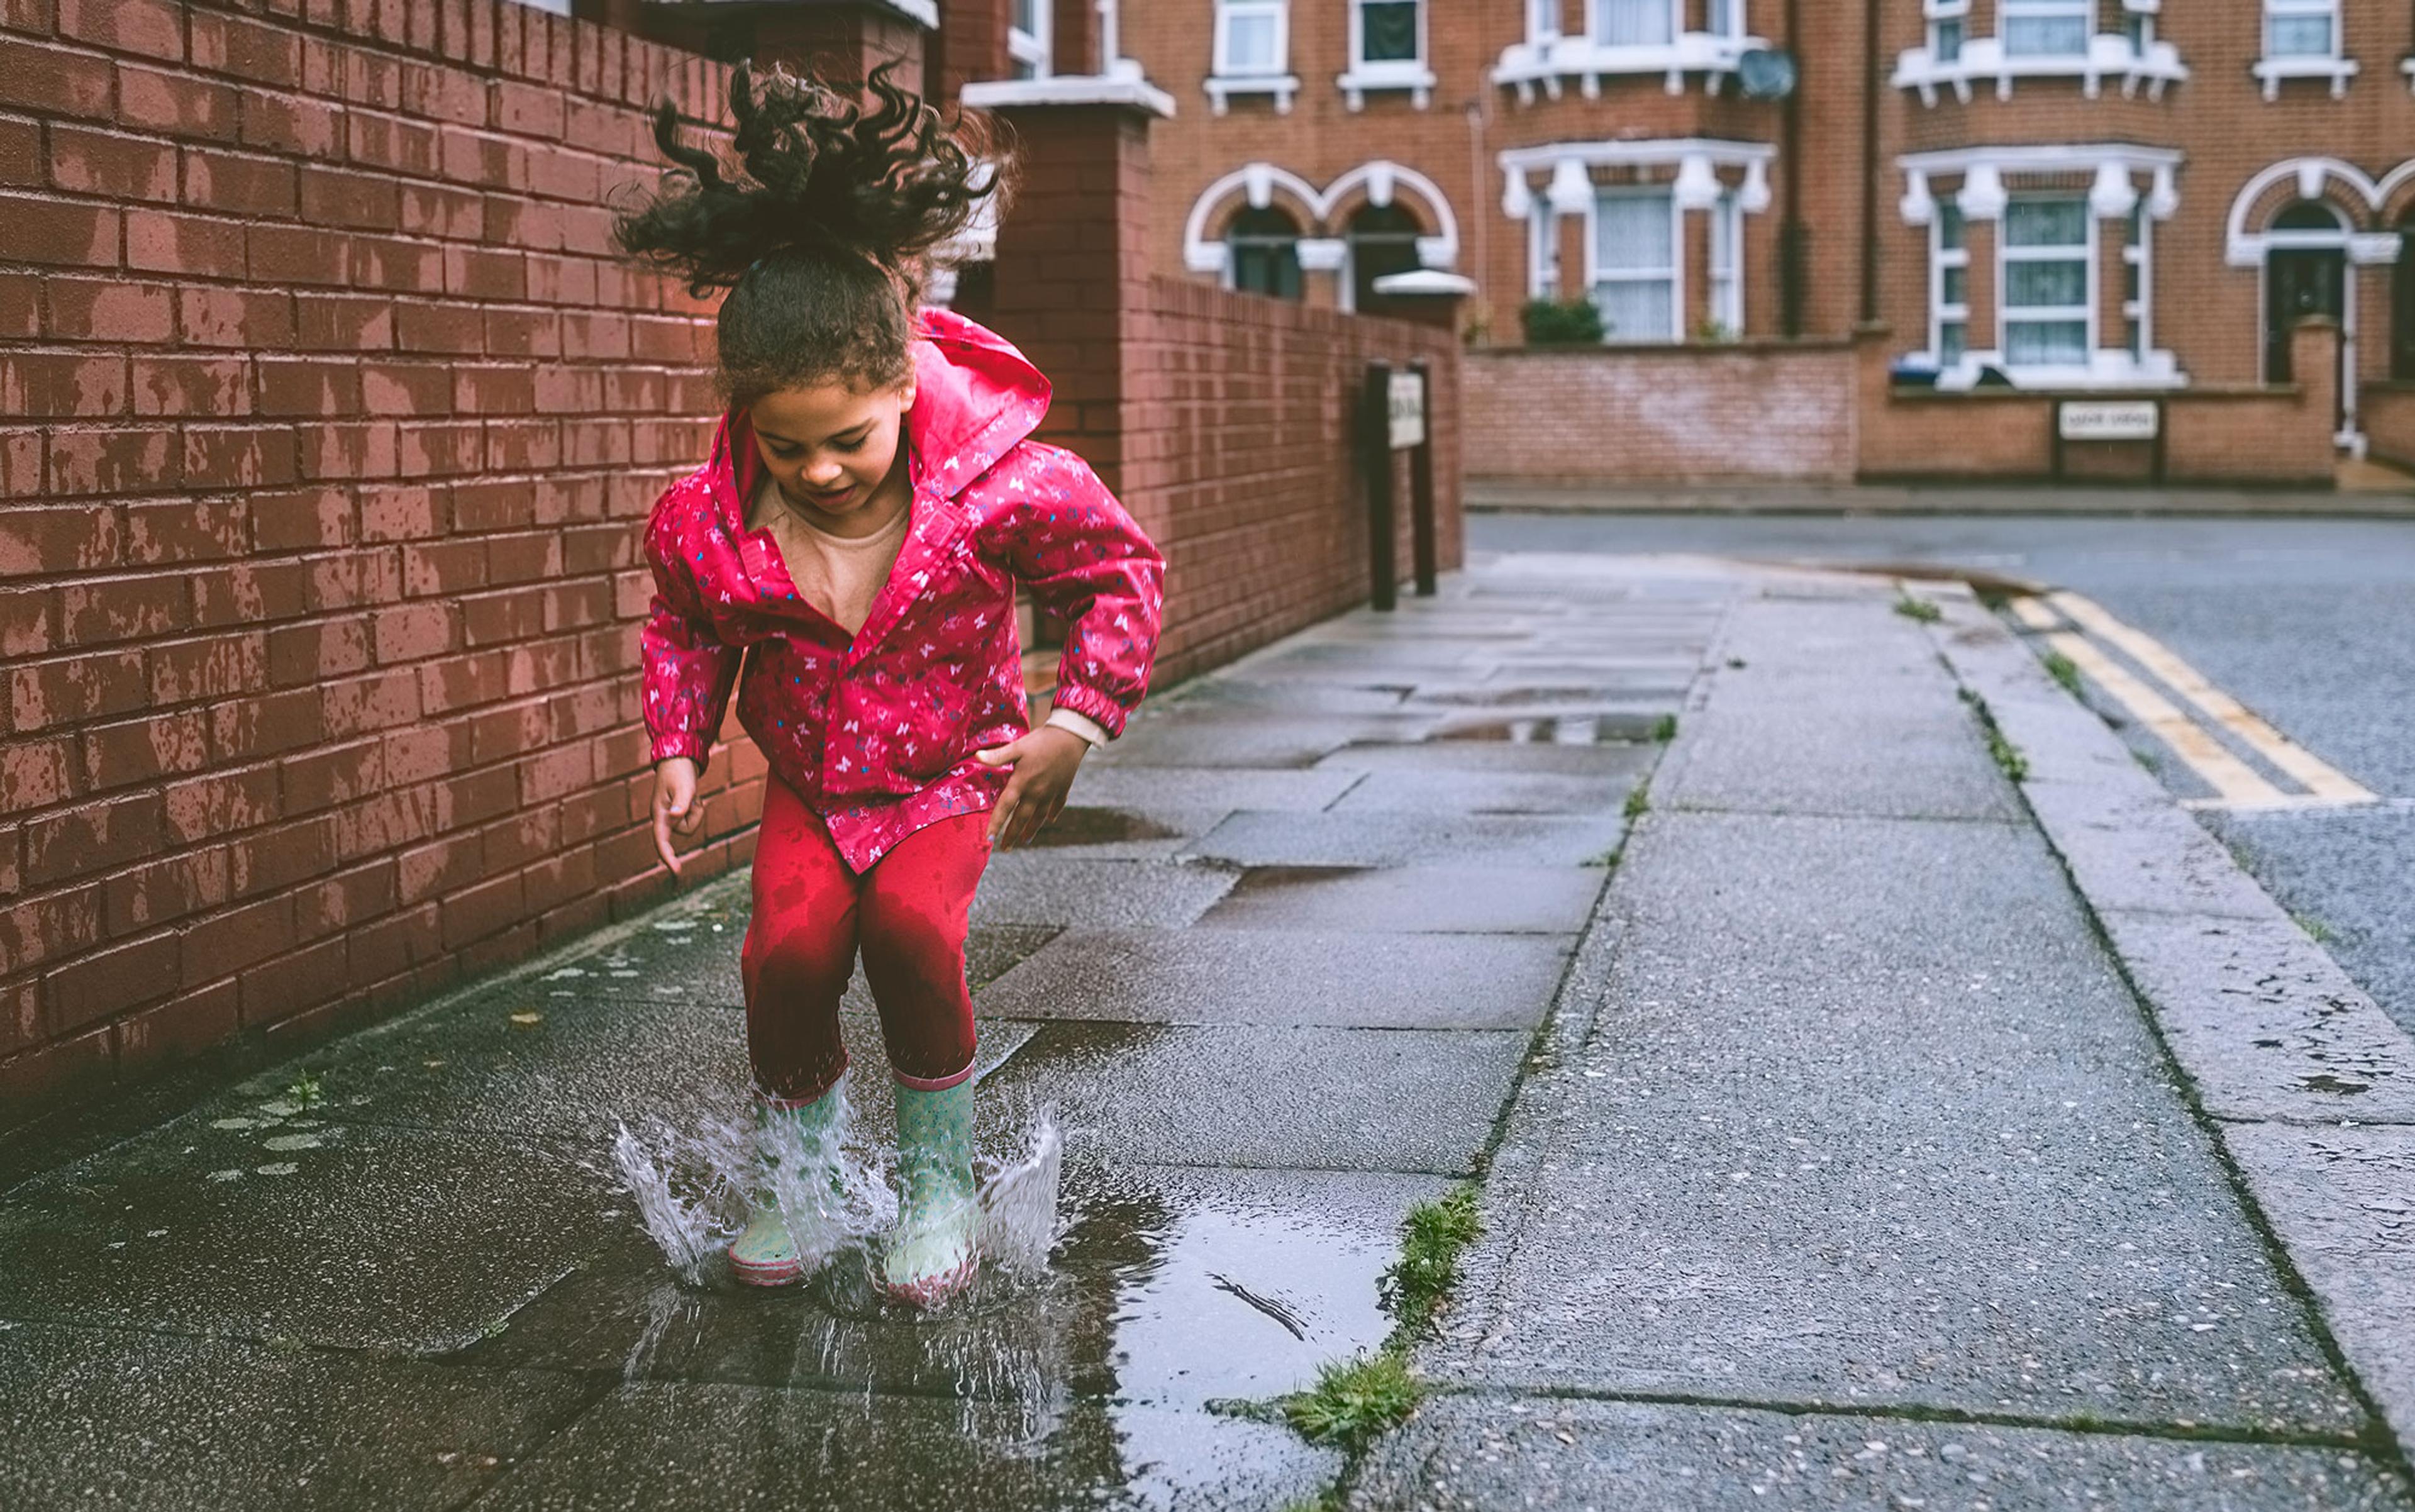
x: 2306, y: 273
x: 1383, y: 240
x: 1262, y: 253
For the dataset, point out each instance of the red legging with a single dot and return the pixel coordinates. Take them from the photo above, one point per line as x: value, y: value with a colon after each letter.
x: 812, y: 913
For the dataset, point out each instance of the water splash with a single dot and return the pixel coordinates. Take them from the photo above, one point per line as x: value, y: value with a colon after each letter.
x: 694, y: 1189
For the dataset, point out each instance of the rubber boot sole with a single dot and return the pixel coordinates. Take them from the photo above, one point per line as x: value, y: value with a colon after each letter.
x: 766, y: 1272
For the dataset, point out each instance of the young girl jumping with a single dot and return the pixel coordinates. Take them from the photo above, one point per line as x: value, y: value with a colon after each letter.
x: 872, y: 501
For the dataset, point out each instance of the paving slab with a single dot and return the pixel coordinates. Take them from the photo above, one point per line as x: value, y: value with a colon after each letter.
x: 1395, y: 838
x: 574, y: 1076
x: 1843, y: 755
x: 2266, y: 1025
x: 1171, y: 1287
x: 2343, y: 1199
x: 1137, y: 788
x: 2143, y: 853
x: 157, y: 1423
x: 1455, y: 900
x: 1630, y: 760
x: 1450, y: 792
x: 1049, y: 887
x: 1483, y: 1452
x: 1215, y: 739
x: 656, y: 1445
x: 342, y: 1236
x: 702, y: 966
x: 1262, y: 1096
x: 1289, y: 977
x: 1247, y: 694
x: 1866, y: 1117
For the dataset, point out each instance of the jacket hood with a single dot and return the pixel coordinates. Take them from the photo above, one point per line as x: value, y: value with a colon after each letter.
x: 976, y: 397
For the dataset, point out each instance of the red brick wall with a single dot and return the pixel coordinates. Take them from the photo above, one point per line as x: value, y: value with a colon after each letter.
x: 330, y: 416
x: 2389, y: 414
x: 1239, y: 454
x: 1672, y: 414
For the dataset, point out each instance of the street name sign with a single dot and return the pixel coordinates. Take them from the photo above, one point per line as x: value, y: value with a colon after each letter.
x: 1406, y: 407
x: 2109, y: 419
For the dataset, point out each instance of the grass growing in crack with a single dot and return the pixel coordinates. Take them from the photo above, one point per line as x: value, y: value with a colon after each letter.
x: 1355, y: 1399
x: 2007, y: 755
x: 1664, y: 730
x: 1639, y: 798
x: 305, y: 1092
x: 1432, y: 1237
x: 2063, y: 670
x: 2321, y: 933
x: 1917, y: 609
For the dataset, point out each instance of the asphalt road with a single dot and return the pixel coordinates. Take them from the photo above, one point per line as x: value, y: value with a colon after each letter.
x: 2309, y: 622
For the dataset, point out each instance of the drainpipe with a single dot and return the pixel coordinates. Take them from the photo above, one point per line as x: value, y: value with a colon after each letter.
x: 1794, y: 256
x: 1870, y: 161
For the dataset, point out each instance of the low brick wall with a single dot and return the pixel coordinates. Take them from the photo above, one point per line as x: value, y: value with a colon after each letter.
x: 330, y: 419
x: 1761, y: 412
x: 2264, y: 437
x: 1240, y: 455
x: 2387, y: 412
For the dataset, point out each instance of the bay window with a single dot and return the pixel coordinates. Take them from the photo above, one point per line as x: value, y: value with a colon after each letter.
x: 1026, y: 37
x: 2046, y: 261
x: 1634, y: 255
x: 1727, y: 266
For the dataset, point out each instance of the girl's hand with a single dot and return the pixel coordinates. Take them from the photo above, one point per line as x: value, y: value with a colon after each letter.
x: 1045, y: 762
x: 677, y: 809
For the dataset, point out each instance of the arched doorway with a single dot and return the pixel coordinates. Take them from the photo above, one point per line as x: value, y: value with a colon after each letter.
x: 2306, y: 273
x: 1383, y: 240
x: 1262, y: 253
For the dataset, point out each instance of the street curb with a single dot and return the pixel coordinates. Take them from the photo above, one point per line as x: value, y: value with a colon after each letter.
x: 2309, y: 1086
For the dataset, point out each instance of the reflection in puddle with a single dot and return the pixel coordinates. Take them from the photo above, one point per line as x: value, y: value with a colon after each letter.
x: 1077, y: 826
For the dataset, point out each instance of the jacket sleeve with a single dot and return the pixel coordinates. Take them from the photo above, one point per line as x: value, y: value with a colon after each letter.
x: 688, y: 672
x: 1088, y: 563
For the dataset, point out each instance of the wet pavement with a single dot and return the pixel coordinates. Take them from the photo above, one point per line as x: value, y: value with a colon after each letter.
x: 1828, y: 1157
x: 1279, y: 972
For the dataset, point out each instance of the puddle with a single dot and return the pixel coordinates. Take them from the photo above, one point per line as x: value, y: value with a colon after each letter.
x: 1488, y: 695
x: 1600, y: 728
x: 1078, y: 826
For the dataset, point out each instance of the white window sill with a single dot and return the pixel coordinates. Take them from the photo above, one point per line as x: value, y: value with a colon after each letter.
x: 2109, y: 56
x: 1069, y: 89
x: 1359, y: 83
x: 2271, y: 71
x: 1524, y: 65
x: 2112, y: 369
x: 1222, y: 87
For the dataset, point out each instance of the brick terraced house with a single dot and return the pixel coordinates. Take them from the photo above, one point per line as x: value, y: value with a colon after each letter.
x: 2073, y: 194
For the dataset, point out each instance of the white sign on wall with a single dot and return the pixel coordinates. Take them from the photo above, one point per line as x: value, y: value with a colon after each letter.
x: 2108, y: 419
x: 1406, y: 402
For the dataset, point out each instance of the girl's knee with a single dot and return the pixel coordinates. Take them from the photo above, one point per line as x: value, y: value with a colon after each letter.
x: 807, y: 958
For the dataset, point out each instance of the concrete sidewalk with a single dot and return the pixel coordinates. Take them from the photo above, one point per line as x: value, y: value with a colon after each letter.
x: 1828, y: 1156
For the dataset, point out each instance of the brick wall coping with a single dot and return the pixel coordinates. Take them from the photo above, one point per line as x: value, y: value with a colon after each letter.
x: 1752, y: 347
x: 1901, y: 394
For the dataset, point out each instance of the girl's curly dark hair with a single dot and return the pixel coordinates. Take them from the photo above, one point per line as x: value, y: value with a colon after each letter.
x: 823, y: 241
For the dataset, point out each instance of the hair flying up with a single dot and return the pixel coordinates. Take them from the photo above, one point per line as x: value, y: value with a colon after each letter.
x: 821, y: 234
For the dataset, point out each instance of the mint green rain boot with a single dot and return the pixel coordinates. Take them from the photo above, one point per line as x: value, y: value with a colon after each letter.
x: 932, y: 1256
x: 767, y: 1252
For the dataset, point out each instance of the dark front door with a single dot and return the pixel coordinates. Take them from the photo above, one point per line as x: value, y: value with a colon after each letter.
x: 2299, y: 282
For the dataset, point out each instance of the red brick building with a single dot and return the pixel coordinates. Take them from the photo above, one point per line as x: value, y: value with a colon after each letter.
x: 2083, y: 195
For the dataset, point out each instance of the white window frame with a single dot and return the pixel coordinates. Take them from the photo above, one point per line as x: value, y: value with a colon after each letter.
x: 1595, y: 276
x: 1226, y: 11
x: 1033, y: 49
x: 1225, y: 81
x: 1542, y: 252
x: 1941, y: 14
x: 2271, y: 69
x: 2082, y: 11
x: 1726, y: 263
x: 1734, y: 30
x: 1544, y: 21
x: 2007, y: 254
x: 1415, y: 75
x: 2138, y: 251
x: 1673, y: 10
x: 1942, y: 260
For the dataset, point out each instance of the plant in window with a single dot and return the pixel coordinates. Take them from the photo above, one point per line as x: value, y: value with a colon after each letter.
x: 1554, y: 322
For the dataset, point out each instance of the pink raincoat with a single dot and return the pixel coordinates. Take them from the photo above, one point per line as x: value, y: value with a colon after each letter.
x: 877, y: 732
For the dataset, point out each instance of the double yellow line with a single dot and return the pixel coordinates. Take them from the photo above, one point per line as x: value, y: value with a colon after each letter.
x: 2237, y: 784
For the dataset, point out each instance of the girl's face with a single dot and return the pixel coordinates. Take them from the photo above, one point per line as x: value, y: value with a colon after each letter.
x: 832, y: 445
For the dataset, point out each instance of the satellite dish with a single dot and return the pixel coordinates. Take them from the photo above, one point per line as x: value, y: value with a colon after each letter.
x: 1766, y: 73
